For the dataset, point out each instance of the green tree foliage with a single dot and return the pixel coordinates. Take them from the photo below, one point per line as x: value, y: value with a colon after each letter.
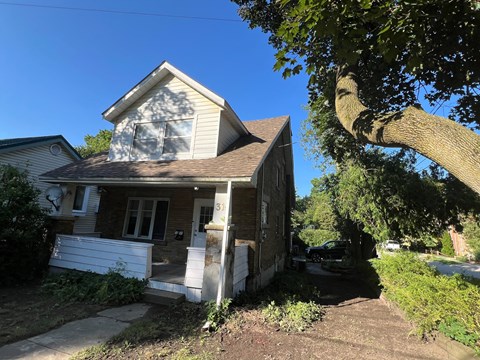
x: 95, y: 143
x: 447, y: 244
x: 471, y: 231
x: 382, y: 195
x: 24, y: 248
x: 315, y: 220
x: 370, y: 62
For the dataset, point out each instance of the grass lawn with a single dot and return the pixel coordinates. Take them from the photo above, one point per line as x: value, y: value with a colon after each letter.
x: 25, y: 311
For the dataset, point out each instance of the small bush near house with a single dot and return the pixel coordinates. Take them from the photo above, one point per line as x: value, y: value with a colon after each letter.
x: 24, y: 247
x: 293, y: 316
x: 432, y: 301
x: 216, y: 316
x: 109, y: 289
x: 447, y: 244
x: 289, y: 302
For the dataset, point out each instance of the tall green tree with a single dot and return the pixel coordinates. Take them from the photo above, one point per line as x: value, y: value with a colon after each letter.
x: 368, y: 60
x: 95, y: 143
x: 24, y: 247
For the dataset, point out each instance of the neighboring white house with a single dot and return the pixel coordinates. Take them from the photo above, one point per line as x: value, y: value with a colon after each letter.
x: 40, y: 154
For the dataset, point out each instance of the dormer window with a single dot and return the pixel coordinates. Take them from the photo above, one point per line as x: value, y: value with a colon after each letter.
x: 154, y: 139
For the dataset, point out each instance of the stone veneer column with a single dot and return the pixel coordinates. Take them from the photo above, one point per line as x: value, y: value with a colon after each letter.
x: 213, y: 254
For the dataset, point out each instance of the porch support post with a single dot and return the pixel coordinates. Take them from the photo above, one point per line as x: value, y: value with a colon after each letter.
x: 220, y: 249
x: 221, y: 282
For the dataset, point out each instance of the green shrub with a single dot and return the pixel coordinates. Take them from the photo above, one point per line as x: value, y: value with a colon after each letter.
x: 217, y: 315
x: 293, y: 316
x: 284, y: 286
x: 432, y: 301
x: 289, y: 301
x: 24, y: 246
x: 447, y: 244
x: 109, y: 289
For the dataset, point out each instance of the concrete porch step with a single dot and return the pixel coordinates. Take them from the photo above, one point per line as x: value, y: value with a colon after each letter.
x: 162, y: 297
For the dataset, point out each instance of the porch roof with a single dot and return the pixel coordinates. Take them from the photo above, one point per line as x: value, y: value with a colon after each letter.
x: 239, y: 163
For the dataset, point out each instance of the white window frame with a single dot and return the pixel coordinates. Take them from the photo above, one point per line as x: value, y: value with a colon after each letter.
x: 86, y: 196
x: 138, y: 222
x: 162, y: 131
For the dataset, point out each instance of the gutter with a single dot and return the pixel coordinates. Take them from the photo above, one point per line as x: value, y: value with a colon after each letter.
x: 247, y: 180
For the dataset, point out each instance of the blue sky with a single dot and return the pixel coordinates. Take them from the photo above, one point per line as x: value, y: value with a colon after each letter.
x: 60, y: 69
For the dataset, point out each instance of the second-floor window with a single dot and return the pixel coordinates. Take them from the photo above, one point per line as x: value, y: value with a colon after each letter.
x: 154, y: 139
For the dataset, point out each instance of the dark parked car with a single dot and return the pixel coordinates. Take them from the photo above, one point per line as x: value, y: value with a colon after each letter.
x: 333, y: 249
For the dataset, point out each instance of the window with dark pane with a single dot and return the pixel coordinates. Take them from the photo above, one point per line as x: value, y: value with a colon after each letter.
x: 206, y: 215
x: 79, y: 198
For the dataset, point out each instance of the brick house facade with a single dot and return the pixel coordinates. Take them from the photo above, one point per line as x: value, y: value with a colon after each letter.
x: 152, y: 192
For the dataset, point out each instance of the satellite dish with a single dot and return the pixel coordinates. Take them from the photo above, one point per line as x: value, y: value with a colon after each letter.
x: 54, y: 195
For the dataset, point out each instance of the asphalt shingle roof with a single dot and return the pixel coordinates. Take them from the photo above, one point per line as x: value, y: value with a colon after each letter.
x: 8, y: 143
x: 241, y: 159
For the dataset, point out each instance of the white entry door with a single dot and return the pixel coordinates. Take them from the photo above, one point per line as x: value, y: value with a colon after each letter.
x: 202, y: 215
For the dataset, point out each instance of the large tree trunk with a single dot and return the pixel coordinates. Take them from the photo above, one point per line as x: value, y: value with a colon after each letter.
x: 444, y: 141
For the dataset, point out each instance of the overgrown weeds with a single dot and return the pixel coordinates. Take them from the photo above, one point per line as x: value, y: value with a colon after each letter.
x: 217, y: 315
x: 289, y: 302
x: 432, y: 301
x: 109, y: 289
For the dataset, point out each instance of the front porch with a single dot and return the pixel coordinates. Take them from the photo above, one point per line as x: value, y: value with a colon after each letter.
x: 134, y: 259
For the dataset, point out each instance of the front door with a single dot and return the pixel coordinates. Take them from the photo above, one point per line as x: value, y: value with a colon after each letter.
x: 202, y: 215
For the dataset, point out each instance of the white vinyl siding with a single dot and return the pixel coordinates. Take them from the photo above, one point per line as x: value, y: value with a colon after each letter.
x: 227, y: 134
x: 102, y: 255
x: 171, y: 99
x: 86, y: 224
x: 37, y: 160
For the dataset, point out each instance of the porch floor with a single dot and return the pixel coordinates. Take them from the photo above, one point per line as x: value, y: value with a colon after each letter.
x: 169, y: 273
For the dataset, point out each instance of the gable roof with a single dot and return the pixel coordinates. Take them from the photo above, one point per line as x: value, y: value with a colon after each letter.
x: 149, y: 81
x: 239, y: 163
x: 7, y: 145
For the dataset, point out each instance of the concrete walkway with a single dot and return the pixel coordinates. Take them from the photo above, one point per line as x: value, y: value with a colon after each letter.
x: 75, y: 336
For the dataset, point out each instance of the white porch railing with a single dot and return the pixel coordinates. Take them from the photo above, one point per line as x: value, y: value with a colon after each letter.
x: 240, y: 268
x: 131, y: 259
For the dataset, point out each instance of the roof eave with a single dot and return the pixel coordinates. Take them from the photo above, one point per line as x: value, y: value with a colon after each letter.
x: 151, y: 80
x: 146, y: 181
x: 52, y: 140
x: 272, y: 144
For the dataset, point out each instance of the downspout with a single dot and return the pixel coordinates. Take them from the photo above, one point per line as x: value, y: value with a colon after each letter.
x: 221, y: 283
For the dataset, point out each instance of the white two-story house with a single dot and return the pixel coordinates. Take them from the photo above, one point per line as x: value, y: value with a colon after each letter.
x: 182, y: 164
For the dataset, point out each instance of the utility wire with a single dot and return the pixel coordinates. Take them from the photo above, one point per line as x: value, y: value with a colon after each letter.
x: 119, y: 12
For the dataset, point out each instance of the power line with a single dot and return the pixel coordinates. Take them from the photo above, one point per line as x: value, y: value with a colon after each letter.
x: 119, y: 12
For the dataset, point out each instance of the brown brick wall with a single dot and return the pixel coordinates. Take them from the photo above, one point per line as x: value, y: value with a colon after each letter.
x: 275, y: 244
x: 113, y: 205
x: 244, y: 216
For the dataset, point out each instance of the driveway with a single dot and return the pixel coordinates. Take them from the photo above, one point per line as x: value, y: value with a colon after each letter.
x: 357, y: 326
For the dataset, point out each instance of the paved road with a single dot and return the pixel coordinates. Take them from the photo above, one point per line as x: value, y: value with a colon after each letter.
x: 472, y: 270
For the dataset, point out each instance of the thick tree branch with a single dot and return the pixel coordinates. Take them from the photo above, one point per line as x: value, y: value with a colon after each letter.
x: 449, y: 144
